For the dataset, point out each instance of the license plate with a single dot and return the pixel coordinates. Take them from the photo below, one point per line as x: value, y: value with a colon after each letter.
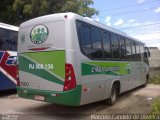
x: 38, y: 97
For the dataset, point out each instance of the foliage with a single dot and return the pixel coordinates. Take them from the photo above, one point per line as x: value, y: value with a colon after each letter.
x: 156, y: 106
x: 18, y: 11
x: 7, y: 14
x: 155, y: 110
x: 28, y: 9
x: 155, y: 79
x: 80, y: 7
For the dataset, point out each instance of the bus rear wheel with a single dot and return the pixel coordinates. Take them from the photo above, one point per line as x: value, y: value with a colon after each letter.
x: 113, y: 95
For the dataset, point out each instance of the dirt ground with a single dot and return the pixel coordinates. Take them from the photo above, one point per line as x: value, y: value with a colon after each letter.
x: 137, y: 101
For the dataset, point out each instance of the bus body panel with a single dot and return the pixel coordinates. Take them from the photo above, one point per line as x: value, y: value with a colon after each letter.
x: 94, y: 78
x: 42, y: 62
x: 53, y: 40
x: 8, y: 56
x: 97, y: 77
x: 6, y: 83
x: 72, y: 46
x: 42, y: 68
x: 8, y: 70
x: 71, y: 97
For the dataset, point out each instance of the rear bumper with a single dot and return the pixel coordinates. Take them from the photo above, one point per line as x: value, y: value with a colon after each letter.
x: 70, y: 98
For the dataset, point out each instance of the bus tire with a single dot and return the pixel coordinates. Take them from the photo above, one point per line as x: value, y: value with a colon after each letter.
x: 114, y: 94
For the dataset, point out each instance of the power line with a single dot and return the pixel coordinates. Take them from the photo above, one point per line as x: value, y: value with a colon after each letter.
x: 129, y: 12
x: 140, y: 26
x: 129, y: 6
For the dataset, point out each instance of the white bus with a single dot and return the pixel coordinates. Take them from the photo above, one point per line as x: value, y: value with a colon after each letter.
x: 8, y: 56
x: 72, y: 60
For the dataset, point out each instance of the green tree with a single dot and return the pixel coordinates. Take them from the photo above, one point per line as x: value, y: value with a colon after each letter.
x: 7, y: 15
x: 18, y: 11
x: 28, y: 9
x: 80, y: 7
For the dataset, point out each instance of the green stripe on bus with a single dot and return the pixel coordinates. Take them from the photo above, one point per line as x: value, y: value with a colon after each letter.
x: 110, y: 68
x: 24, y: 66
x: 56, y: 57
x: 71, y: 97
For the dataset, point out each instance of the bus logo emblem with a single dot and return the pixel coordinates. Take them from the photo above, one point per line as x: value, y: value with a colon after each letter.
x: 39, y: 34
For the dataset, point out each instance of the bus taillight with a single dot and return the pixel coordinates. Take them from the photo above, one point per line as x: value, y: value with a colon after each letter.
x: 70, y: 80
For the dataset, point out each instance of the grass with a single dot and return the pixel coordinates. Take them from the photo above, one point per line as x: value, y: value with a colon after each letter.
x: 155, y: 110
x: 155, y: 80
x: 156, y: 106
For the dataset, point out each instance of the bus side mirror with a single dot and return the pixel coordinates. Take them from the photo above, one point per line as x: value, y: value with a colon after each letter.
x: 149, y: 54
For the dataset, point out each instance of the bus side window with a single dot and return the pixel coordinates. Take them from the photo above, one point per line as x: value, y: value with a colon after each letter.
x: 13, y: 40
x: 122, y: 48
x: 115, y: 46
x: 97, y: 52
x: 107, y: 45
x: 134, y: 54
x: 96, y: 38
x: 90, y: 41
x: 138, y: 52
x: 8, y: 39
x: 85, y: 36
x: 128, y: 50
x: 3, y: 39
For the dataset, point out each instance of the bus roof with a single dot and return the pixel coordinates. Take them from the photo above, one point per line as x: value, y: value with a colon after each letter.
x: 10, y: 27
x: 70, y: 15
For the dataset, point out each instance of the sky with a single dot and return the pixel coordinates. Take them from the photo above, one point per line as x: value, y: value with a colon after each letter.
x: 138, y: 18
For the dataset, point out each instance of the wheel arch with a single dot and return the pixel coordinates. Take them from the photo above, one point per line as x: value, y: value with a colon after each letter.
x: 115, y: 82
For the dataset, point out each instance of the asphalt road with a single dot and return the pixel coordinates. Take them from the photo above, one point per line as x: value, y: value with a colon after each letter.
x: 137, y: 101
